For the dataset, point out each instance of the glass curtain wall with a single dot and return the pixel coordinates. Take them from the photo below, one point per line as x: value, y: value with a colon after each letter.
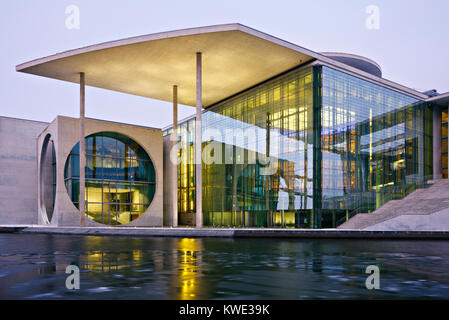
x: 120, y: 178
x: 444, y: 153
x: 309, y: 149
x: 258, y: 155
x: 376, y: 146
x: 186, y: 168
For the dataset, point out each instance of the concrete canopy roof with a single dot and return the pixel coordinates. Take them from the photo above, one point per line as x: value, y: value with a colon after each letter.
x: 235, y: 57
x: 442, y: 99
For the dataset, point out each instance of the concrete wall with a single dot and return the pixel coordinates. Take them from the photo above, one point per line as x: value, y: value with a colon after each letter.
x: 438, y: 221
x: 18, y: 170
x: 64, y: 131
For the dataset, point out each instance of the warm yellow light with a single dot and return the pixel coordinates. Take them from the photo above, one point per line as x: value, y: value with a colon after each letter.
x: 189, y: 267
x: 380, y: 186
x: 137, y: 255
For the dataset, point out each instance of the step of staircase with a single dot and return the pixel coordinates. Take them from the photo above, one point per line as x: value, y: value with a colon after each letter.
x: 420, y: 202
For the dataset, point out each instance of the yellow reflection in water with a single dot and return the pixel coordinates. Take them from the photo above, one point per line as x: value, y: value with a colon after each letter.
x: 189, y: 268
x: 104, y: 261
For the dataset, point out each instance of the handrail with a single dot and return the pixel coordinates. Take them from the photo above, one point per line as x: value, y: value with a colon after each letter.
x: 409, y: 188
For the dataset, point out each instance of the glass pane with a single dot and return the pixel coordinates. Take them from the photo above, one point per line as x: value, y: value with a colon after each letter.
x: 107, y: 213
x: 140, y: 193
x: 130, y: 151
x: 68, y: 186
x: 113, y: 198
x: 76, y: 148
x: 94, y: 191
x: 89, y: 167
x: 120, y: 149
x: 115, y: 214
x: 444, y: 116
x: 89, y: 145
x: 111, y: 161
x: 109, y: 146
x: 75, y: 190
x: 94, y: 211
x: 137, y: 210
x: 124, y: 193
x: 444, y: 146
x: 124, y: 214
x: 142, y: 173
x: 75, y: 160
x: 109, y: 168
x: 68, y: 167
x: 97, y: 167
x: 121, y: 169
x: 444, y: 132
x: 151, y: 191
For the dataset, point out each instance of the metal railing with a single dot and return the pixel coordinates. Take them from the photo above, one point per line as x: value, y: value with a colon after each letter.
x: 395, y: 194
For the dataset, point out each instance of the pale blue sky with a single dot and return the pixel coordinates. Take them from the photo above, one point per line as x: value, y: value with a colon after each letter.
x: 411, y: 44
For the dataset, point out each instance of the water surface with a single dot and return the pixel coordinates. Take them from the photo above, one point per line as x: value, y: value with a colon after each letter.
x: 33, y: 267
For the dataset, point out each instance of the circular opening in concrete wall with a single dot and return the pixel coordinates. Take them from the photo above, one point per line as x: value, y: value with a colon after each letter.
x: 120, y: 178
x: 48, y: 178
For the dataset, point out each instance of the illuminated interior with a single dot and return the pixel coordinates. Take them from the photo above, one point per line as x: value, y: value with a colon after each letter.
x: 444, y: 122
x: 342, y: 146
x: 120, y: 178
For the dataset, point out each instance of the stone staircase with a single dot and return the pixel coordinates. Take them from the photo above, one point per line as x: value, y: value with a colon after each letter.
x: 420, y: 202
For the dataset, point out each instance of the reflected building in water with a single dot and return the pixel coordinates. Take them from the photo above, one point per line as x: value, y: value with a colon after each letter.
x: 180, y: 259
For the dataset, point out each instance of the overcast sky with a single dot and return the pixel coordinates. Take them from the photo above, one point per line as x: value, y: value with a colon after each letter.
x: 411, y: 44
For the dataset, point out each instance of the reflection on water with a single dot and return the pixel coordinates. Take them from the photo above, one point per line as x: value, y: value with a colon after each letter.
x: 189, y: 271
x: 103, y: 261
x: 33, y: 267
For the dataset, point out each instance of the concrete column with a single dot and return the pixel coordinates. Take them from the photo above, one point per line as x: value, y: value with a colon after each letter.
x: 82, y: 152
x: 174, y: 175
x: 437, y: 168
x: 198, y: 141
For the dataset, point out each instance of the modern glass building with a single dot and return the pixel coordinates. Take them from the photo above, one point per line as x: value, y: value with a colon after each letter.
x: 341, y: 146
x: 282, y: 136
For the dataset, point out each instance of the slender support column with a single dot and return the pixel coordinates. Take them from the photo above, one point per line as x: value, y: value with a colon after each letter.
x: 317, y: 152
x: 82, y: 152
x: 437, y: 165
x: 198, y: 141
x: 174, y: 198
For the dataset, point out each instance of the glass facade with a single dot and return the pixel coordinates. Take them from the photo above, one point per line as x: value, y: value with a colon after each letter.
x: 444, y: 122
x: 120, y: 178
x: 268, y: 128
x: 308, y: 149
x: 376, y: 145
x: 186, y: 167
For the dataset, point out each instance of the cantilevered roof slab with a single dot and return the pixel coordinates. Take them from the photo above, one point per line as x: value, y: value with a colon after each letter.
x: 235, y: 57
x: 441, y: 99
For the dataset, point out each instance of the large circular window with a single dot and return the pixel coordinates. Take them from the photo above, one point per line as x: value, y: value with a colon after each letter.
x: 120, y: 178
